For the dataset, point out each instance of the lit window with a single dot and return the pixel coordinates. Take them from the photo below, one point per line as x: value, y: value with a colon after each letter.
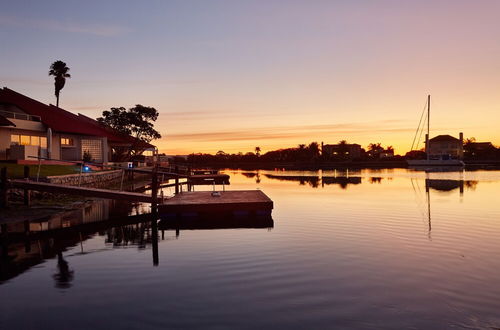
x: 14, y: 139
x: 66, y: 141
x: 43, y: 142
x: 25, y: 140
x: 35, y: 140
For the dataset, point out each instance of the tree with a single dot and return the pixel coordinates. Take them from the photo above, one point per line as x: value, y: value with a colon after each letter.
x: 314, y: 149
x: 137, y: 122
x: 59, y: 70
x: 257, y: 151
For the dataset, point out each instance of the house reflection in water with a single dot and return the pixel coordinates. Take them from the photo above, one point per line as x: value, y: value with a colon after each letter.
x: 317, y: 181
x: 441, y: 186
x: 342, y: 181
x: 449, y: 185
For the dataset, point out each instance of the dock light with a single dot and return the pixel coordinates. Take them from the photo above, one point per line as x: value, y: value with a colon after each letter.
x: 86, y: 168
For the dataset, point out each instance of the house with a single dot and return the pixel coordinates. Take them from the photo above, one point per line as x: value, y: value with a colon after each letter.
x: 341, y: 150
x: 445, y: 145
x: 480, y: 150
x: 386, y: 153
x: 29, y: 128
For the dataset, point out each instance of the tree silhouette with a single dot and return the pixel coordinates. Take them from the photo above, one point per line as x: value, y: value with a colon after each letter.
x: 257, y: 151
x: 59, y: 70
x: 314, y: 149
x: 137, y: 122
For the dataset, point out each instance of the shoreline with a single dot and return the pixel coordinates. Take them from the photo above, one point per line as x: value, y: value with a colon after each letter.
x: 314, y: 166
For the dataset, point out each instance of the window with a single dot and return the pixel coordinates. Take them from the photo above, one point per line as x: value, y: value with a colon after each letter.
x: 25, y: 140
x: 28, y: 140
x: 66, y: 141
x: 94, y: 148
x: 35, y: 140
x: 14, y: 139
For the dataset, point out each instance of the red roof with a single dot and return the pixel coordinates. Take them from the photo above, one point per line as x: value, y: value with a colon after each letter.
x: 63, y: 121
x: 118, y: 136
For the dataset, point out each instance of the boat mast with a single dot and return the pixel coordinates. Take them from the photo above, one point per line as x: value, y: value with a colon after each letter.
x: 428, y: 125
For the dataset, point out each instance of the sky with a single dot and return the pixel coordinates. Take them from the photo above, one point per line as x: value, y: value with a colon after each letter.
x: 232, y: 75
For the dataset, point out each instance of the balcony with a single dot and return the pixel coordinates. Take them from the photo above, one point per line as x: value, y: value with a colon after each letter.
x: 21, y: 116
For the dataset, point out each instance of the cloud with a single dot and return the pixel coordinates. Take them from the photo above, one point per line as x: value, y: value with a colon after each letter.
x: 63, y: 26
x: 285, y: 132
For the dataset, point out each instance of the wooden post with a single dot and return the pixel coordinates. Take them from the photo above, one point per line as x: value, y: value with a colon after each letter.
x: 121, y: 182
x: 39, y: 166
x: 154, y: 240
x: 80, y: 177
x: 26, y: 191
x: 154, y: 190
x: 4, y: 243
x: 3, y: 188
x: 176, y: 185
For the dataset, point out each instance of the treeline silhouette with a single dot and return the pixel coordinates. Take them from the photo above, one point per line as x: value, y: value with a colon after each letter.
x: 310, y: 153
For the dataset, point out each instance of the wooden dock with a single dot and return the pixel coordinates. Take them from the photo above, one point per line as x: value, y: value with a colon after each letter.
x: 81, y: 191
x: 228, y: 203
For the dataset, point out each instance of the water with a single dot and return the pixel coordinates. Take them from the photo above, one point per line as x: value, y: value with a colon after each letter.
x: 357, y: 250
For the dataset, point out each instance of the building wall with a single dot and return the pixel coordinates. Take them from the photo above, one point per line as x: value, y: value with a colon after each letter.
x: 73, y: 153
x: 353, y: 150
x: 4, y: 142
x: 97, y: 146
x: 5, y: 138
x: 452, y: 148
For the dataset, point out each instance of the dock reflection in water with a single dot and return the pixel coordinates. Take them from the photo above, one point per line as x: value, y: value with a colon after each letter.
x: 27, y: 244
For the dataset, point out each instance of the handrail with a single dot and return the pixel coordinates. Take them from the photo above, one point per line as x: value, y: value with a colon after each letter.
x: 82, y: 163
x: 21, y: 116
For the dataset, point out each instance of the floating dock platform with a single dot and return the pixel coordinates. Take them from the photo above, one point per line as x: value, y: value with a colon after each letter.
x: 235, y: 203
x: 206, y: 179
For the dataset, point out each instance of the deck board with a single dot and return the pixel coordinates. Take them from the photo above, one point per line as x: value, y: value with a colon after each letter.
x: 202, y: 202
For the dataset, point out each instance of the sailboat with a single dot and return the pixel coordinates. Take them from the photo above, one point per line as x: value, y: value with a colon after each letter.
x: 433, y: 160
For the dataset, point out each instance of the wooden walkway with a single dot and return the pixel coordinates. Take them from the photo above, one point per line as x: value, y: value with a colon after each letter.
x: 200, y: 203
x: 81, y: 191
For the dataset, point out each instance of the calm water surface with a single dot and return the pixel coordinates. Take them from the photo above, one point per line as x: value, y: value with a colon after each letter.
x: 388, y: 249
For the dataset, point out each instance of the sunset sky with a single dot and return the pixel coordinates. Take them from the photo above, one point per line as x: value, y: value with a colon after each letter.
x: 232, y: 75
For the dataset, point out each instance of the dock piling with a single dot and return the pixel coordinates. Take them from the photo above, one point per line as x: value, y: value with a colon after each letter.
x: 27, y: 194
x: 154, y: 190
x: 3, y: 188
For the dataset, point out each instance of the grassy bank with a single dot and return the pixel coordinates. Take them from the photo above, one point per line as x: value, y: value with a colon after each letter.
x: 15, y: 171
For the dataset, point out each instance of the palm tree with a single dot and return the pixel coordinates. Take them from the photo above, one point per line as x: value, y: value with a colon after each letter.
x: 59, y: 70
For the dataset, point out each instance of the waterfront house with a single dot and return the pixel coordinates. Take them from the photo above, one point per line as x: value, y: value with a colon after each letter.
x: 342, y: 150
x: 30, y: 128
x: 446, y: 145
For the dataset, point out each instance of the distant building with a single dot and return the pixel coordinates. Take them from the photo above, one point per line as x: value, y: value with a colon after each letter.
x: 29, y: 128
x: 342, y: 150
x: 480, y: 150
x: 387, y: 153
x: 481, y: 146
x: 447, y: 146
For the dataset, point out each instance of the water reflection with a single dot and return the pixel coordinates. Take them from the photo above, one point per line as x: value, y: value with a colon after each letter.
x: 342, y: 181
x: 364, y: 257
x: 27, y: 244
x: 64, y: 276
